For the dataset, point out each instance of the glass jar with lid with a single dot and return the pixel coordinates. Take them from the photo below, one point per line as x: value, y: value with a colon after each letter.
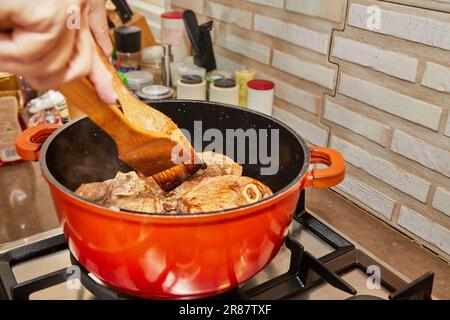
x: 151, y: 61
x: 128, y: 48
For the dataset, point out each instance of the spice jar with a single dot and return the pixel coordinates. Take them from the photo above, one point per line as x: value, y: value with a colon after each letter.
x: 224, y: 90
x: 173, y: 32
x: 242, y: 78
x: 260, y: 96
x: 192, y: 87
x: 151, y: 61
x: 155, y: 92
x: 139, y: 79
x: 128, y: 48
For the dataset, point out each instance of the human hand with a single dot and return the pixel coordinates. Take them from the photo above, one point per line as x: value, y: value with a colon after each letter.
x: 50, y: 47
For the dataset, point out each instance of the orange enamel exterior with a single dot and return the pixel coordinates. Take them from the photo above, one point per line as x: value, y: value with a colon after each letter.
x: 183, y: 256
x: 171, y: 257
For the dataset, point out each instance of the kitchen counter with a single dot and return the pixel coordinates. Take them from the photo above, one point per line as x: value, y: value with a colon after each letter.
x: 26, y: 209
x: 380, y: 239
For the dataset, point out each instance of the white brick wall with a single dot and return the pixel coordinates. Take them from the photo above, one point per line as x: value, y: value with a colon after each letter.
x: 425, y: 228
x: 447, y: 127
x: 330, y: 10
x: 382, y: 169
x: 391, y: 101
x: 423, y: 152
x: 292, y: 33
x: 413, y: 27
x: 229, y: 14
x: 270, y: 3
x: 250, y: 49
x: 372, y: 198
x: 437, y: 77
x: 194, y: 5
x: 366, y: 127
x: 294, y: 95
x: 224, y: 63
x: 316, y: 73
x: 390, y: 62
x: 314, y: 134
x: 441, y: 200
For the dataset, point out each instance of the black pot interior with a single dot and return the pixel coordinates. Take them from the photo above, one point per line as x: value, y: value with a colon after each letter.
x: 82, y: 152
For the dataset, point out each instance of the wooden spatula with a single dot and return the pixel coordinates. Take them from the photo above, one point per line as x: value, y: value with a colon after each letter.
x: 145, y: 138
x: 147, y: 118
x: 147, y: 151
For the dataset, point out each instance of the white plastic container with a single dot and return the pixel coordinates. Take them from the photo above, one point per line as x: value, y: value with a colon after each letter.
x: 224, y: 90
x: 260, y: 96
x: 191, y: 87
x: 173, y: 32
x: 139, y: 79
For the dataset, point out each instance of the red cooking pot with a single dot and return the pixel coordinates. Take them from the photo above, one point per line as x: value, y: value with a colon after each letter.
x: 185, y: 255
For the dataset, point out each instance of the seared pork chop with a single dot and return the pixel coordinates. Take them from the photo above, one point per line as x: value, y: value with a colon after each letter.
x: 221, y: 193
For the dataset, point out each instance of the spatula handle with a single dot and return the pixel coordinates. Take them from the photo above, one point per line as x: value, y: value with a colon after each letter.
x: 119, y: 87
x: 82, y: 95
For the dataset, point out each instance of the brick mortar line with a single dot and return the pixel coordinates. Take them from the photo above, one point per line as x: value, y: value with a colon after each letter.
x: 394, y: 226
x: 413, y: 6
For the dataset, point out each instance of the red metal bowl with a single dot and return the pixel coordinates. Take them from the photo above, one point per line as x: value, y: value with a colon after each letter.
x: 181, y: 256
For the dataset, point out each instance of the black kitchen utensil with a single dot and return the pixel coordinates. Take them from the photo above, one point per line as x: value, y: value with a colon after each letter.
x: 200, y: 36
x: 124, y: 10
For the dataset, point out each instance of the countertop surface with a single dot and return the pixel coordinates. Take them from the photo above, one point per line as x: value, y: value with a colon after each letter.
x: 26, y: 208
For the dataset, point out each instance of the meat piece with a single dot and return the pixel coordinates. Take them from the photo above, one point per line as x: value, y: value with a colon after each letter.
x: 146, y: 204
x: 220, y: 186
x: 218, y: 165
x: 124, y: 184
x: 126, y: 191
x: 127, y: 184
x: 95, y: 191
x: 222, y: 192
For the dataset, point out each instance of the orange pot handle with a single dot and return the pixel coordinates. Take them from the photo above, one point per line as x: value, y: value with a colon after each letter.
x: 328, y: 177
x: 28, y: 142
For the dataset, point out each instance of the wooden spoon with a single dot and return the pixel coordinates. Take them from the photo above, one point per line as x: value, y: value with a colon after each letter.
x: 148, y: 152
x: 144, y: 136
x: 147, y: 118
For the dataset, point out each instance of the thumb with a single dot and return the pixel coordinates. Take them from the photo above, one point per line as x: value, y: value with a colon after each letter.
x: 102, y: 80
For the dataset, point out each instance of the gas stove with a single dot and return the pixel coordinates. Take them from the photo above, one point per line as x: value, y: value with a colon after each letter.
x: 315, y: 263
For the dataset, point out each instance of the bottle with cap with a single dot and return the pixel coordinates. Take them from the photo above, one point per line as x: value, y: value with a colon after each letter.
x: 224, y: 90
x: 242, y: 77
x: 173, y: 32
x: 151, y: 61
x: 260, y: 96
x: 167, y: 59
x: 128, y: 48
x: 192, y: 87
